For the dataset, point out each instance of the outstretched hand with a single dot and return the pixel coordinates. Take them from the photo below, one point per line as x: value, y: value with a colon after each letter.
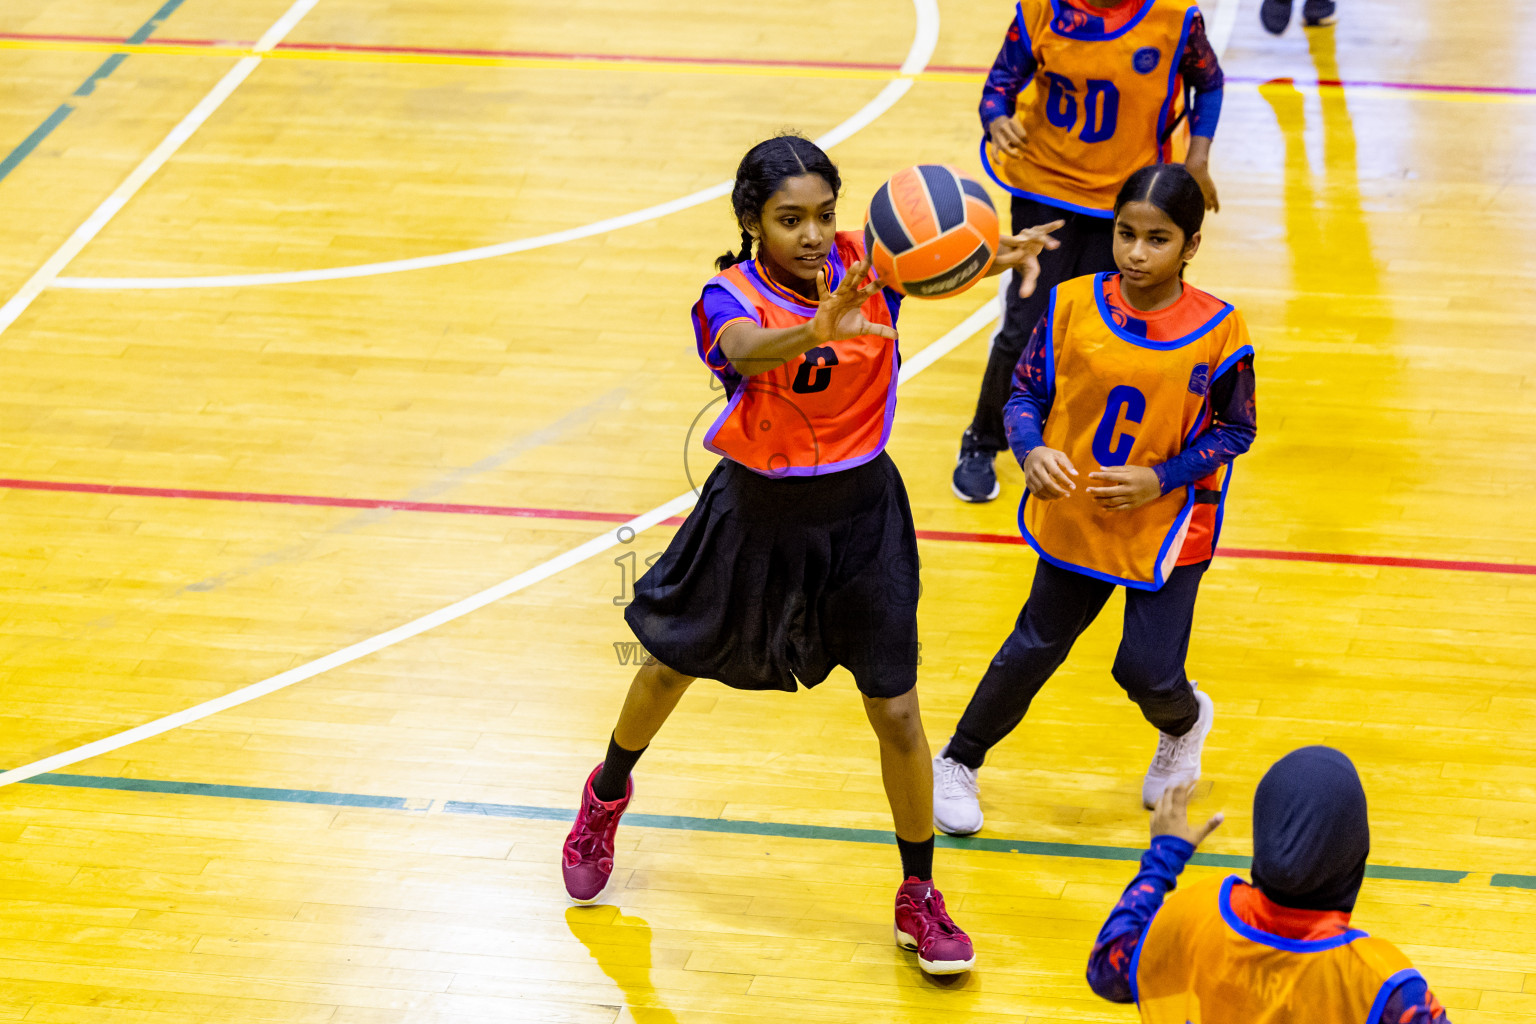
x: 1171, y: 816
x: 1022, y: 252
x: 839, y: 313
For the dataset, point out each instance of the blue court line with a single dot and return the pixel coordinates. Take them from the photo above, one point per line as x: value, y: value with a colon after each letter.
x: 111, y: 64
x: 778, y: 830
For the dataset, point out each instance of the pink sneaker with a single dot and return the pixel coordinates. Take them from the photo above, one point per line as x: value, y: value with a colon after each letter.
x: 588, y: 854
x: 923, y: 924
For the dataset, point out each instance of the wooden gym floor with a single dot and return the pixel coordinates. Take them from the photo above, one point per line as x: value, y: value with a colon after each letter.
x: 224, y: 461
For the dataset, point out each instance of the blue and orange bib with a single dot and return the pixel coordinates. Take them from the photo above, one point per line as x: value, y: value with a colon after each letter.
x: 828, y: 409
x: 1099, y: 106
x: 1122, y: 399
x: 1199, y: 963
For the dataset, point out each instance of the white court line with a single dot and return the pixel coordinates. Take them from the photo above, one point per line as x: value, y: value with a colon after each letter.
x: 49, y: 271
x: 911, y: 367
x: 924, y: 38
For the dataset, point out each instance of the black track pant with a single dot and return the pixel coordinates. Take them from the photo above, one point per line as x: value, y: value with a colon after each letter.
x: 1062, y: 603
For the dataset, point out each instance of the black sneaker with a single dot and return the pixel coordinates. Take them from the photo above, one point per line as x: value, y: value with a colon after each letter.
x: 974, y: 479
x: 1317, y: 13
x: 1275, y: 15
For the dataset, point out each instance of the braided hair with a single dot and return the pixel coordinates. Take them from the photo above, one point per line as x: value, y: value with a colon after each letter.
x: 767, y: 166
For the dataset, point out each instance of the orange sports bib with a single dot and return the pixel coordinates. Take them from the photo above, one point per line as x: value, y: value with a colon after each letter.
x: 828, y: 409
x: 1120, y: 400
x: 1199, y: 963
x: 1099, y: 106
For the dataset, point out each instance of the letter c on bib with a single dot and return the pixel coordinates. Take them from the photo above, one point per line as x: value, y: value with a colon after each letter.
x: 1111, y: 446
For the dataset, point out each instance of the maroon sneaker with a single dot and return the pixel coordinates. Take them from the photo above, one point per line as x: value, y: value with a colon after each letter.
x: 923, y: 924
x: 588, y: 854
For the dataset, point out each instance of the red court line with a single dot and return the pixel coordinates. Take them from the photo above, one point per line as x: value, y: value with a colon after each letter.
x: 521, y: 512
x: 836, y: 65
x: 308, y: 499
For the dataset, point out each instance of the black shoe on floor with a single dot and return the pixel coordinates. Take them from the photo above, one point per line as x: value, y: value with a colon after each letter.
x: 974, y: 479
x: 1317, y: 13
x: 1275, y: 15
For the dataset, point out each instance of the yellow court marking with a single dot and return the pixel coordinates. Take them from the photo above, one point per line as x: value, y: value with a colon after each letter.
x: 657, y: 65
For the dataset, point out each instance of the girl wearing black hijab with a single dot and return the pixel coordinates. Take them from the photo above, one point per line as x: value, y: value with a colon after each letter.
x: 1278, y: 950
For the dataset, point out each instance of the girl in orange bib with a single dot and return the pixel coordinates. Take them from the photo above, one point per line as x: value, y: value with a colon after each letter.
x: 1279, y: 950
x: 801, y: 554
x: 1130, y: 403
x: 1082, y: 93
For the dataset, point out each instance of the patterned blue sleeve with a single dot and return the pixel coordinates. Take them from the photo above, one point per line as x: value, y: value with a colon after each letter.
x: 1011, y: 72
x: 1109, y: 965
x: 1233, y: 427
x: 1412, y: 1003
x: 1025, y: 412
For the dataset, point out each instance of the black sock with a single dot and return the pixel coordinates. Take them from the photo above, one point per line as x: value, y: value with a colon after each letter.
x: 916, y: 859
x: 612, y: 781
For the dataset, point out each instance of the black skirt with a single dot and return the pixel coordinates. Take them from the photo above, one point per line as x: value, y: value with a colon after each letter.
x: 771, y: 582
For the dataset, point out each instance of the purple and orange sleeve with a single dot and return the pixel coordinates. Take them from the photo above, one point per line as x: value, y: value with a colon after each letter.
x: 720, y: 310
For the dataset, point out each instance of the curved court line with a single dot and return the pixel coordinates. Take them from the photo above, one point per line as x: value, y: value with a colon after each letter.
x: 522, y: 581
x: 924, y: 38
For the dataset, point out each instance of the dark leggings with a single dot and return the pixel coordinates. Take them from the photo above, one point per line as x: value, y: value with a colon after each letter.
x: 1062, y: 603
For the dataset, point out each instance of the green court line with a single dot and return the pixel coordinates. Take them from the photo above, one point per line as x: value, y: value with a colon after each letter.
x: 681, y: 823
x: 1514, y: 881
x: 1079, y: 851
x: 289, y: 796
x: 14, y: 158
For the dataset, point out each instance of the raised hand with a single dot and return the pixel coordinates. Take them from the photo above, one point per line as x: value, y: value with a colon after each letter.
x: 1171, y: 816
x: 1022, y: 251
x: 840, y: 313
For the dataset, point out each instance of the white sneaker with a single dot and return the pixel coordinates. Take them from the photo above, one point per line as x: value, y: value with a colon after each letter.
x: 956, y: 797
x: 1178, y: 757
